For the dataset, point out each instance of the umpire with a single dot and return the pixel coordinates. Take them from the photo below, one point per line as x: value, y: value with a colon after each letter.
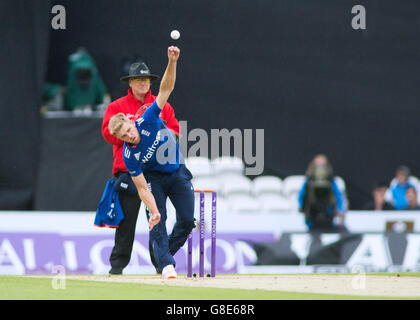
x: 133, y: 105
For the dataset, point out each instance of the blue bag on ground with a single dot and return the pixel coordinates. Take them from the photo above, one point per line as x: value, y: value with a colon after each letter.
x: 109, y: 213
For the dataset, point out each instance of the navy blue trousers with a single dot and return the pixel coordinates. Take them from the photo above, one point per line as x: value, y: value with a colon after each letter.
x: 178, y: 187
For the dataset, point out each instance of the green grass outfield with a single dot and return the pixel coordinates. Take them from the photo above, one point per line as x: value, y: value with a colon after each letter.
x: 27, y: 288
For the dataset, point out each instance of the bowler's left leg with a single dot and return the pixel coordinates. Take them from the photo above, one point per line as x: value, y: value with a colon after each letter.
x: 181, y: 194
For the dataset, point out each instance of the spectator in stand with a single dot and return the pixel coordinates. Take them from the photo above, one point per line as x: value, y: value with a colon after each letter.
x: 378, y: 203
x: 85, y: 88
x: 411, y: 195
x: 396, y: 193
x: 320, y: 199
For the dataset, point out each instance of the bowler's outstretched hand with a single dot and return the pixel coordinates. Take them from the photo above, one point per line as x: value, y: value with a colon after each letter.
x: 173, y: 53
x: 154, y: 220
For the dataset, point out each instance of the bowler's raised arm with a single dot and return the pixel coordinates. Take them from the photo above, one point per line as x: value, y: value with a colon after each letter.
x: 167, y: 84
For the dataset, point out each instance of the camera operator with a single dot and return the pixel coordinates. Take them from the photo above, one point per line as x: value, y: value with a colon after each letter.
x: 320, y: 199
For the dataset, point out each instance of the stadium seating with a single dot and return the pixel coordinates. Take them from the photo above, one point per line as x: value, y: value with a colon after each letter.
x: 236, y: 192
x: 235, y: 184
x: 242, y: 203
x: 271, y: 202
x: 232, y: 165
x: 199, y: 166
x: 267, y: 184
x: 292, y: 184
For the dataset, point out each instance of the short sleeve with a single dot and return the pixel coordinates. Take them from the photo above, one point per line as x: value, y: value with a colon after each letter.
x: 152, y: 113
x: 133, y: 166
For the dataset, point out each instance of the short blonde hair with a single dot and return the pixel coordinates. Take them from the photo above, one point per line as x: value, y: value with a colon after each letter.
x: 116, y: 123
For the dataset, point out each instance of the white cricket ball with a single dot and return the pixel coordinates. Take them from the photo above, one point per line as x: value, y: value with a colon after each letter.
x: 175, y: 34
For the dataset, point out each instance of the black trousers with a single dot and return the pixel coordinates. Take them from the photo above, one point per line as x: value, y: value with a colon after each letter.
x: 124, y: 235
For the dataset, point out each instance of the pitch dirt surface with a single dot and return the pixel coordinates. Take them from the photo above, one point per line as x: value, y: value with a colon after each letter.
x: 371, y: 285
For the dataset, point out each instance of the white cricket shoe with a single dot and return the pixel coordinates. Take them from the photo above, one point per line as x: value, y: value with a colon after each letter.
x: 169, y: 272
